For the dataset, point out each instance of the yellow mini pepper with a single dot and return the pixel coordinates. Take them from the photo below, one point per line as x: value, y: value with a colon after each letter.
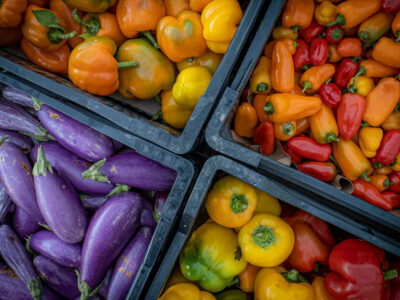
x: 284, y: 131
x: 260, y: 80
x: 369, y: 140
x: 267, y: 203
x: 392, y: 122
x: 184, y: 291
x: 281, y: 32
x: 364, y: 85
x: 323, y: 125
x: 210, y: 60
x: 325, y: 13
x: 172, y: 113
x: 320, y: 292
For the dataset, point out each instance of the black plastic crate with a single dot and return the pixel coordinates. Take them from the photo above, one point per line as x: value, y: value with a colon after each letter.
x: 175, y: 202
x: 195, y: 213
x: 135, y: 115
x: 219, y: 138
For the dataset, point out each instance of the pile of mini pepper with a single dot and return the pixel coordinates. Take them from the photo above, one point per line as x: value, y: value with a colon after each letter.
x: 107, y: 45
x: 253, y: 245
x: 327, y: 87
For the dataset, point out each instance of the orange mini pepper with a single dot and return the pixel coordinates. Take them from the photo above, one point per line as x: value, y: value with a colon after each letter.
x: 376, y: 69
x: 260, y: 80
x: 350, y: 47
x: 381, y: 101
x: 282, y: 70
x: 11, y: 12
x: 302, y: 126
x: 392, y: 122
x: 269, y: 48
x: 387, y: 52
x: 323, y: 125
x: 181, y: 37
x: 396, y: 25
x: 198, y: 5
x: 247, y: 278
x: 174, y: 7
x: 54, y: 61
x: 383, y: 171
x: 245, y: 121
x: 325, y: 13
x: 284, y: 131
x: 281, y: 32
x: 380, y: 182
x: 314, y: 77
x: 10, y: 36
x: 298, y: 13
x: 320, y: 292
x: 334, y: 55
x: 374, y: 27
x: 258, y: 104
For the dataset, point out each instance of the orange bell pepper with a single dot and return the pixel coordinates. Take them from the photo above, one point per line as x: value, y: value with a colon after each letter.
x: 260, y: 80
x: 11, y: 12
x: 380, y: 182
x: 54, y: 61
x: 314, y: 77
x: 286, y: 107
x: 387, y: 52
x: 10, y: 36
x: 302, y: 125
x: 323, y: 125
x: 320, y: 292
x: 381, y: 101
x: 258, y: 104
x: 181, y: 37
x: 298, y: 13
x: 284, y: 131
x: 392, y: 122
x: 247, y: 278
x: 245, y: 121
x: 334, y: 55
x: 282, y: 71
x: 350, y: 47
x: 376, y: 69
x: 351, y: 160
x: 281, y: 32
x: 396, y: 25
x: 198, y: 5
x: 174, y: 7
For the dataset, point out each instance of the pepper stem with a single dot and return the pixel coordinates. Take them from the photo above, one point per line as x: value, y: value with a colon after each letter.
x: 262, y: 87
x: 156, y: 116
x: 92, y: 25
x: 42, y: 164
x: 365, y: 176
x: 337, y: 34
x: 340, y: 20
x: 263, y: 236
x: 328, y: 81
x: 151, y: 38
x: 157, y: 98
x: 296, y: 28
x: 389, y: 274
x: 378, y: 165
x: 293, y: 276
x: 239, y: 203
x: 235, y: 281
x: 127, y: 64
x: 397, y: 108
x: 331, y: 137
x: 306, y: 85
x: 94, y: 172
x: 364, y: 124
x: 305, y: 67
x: 333, y: 160
x: 119, y: 189
x: 56, y: 35
x: 35, y: 288
x: 398, y: 34
x: 269, y: 108
x: 316, y: 267
x: 387, y: 183
x: 288, y: 128
x: 353, y: 88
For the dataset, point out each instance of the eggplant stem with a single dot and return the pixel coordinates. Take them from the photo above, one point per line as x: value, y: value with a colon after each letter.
x: 94, y: 172
x: 119, y: 189
x: 42, y: 164
x: 35, y: 288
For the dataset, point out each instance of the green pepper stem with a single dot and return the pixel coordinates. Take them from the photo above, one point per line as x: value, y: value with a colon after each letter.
x: 331, y: 137
x: 262, y: 87
x: 269, y: 108
x: 333, y: 160
x: 157, y: 98
x: 306, y: 85
x: 397, y: 108
x: 365, y: 176
x: 56, y: 36
x: 235, y: 281
x: 263, y: 236
x: 364, y: 124
x: 156, y: 116
x: 92, y: 26
x: 127, y: 64
x: 352, y: 88
x: 316, y: 267
x: 389, y: 274
x: 151, y: 38
x: 288, y: 128
x: 378, y: 165
x: 42, y: 164
x: 340, y: 20
x: 305, y: 67
x: 296, y: 44
x: 239, y: 203
x: 397, y: 76
x: 336, y: 34
x: 328, y: 81
x: 398, y: 34
x: 296, y: 28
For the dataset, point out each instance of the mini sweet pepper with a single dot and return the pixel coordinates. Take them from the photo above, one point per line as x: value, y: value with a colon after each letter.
x: 11, y: 12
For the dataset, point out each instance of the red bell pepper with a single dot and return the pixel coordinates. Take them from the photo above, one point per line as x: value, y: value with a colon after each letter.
x: 319, y: 51
x: 347, y: 69
x: 324, y: 171
x: 330, y: 94
x: 367, y: 192
x: 293, y: 156
x: 390, y: 6
x: 394, y: 179
x: 389, y: 148
x: 334, y: 34
x: 302, y: 55
x: 349, y: 115
x: 309, y: 148
x: 264, y: 135
x: 393, y: 198
x: 312, y: 31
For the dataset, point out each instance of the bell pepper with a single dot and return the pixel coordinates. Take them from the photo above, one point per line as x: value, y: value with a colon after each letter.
x: 266, y: 240
x: 276, y: 283
x: 302, y: 55
x: 260, y: 80
x: 374, y: 27
x: 396, y: 166
x: 181, y: 37
x: 314, y: 77
x: 311, y: 32
x: 389, y: 148
x: 265, y: 137
x: 319, y: 51
x: 350, y: 47
x: 334, y: 34
x: 294, y: 157
x: 247, y: 278
x: 199, y: 5
x: 267, y: 203
x: 182, y: 291
x: 91, y: 6
x: 347, y: 69
x: 172, y: 113
x: 190, y: 85
x: 394, y: 179
x: 396, y: 26
x: 258, y: 104
x: 174, y: 7
x: 232, y: 295
x: 325, y: 13
x: 380, y: 182
x: 53, y: 61
x: 376, y: 69
x: 392, y: 197
x: 298, y: 13
x: 330, y: 94
x: 231, y: 202
x: 284, y: 131
x: 44, y: 28
x: 302, y: 125
x: 220, y: 20
x: 10, y: 37
x: 351, y: 13
x: 11, y: 12
x: 286, y: 107
x: 209, y: 59
x: 281, y: 32
x: 387, y: 52
x: 333, y: 55
x: 212, y: 257
x: 362, y: 85
x: 320, y: 292
x: 308, y: 148
x: 392, y: 122
x: 351, y: 160
x: 390, y: 6
x: 323, y: 125
x: 282, y: 70
x: 245, y: 120
x: 349, y: 115
x: 153, y: 72
x: 369, y: 140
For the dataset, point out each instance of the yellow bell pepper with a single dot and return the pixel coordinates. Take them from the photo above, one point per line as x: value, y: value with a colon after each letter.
x: 220, y: 19
x: 325, y: 13
x: 172, y: 113
x: 364, y: 85
x: 281, y: 32
x: 231, y: 202
x: 369, y: 140
x: 271, y: 284
x: 210, y: 60
x: 396, y: 166
x: 190, y: 85
x: 320, y: 292
x: 266, y: 241
x: 267, y: 204
x: 184, y: 291
x: 260, y: 80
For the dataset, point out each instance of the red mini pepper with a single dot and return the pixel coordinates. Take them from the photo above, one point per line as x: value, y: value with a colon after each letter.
x: 390, y: 6
x: 330, y: 94
x: 319, y: 51
x: 309, y: 148
x: 370, y: 194
x: 302, y: 55
x: 349, y: 115
x: 334, y: 34
x: 389, y: 148
x: 394, y: 179
x: 311, y: 32
x: 347, y: 69
x: 324, y: 171
x: 265, y: 136
x: 293, y: 156
x: 392, y: 197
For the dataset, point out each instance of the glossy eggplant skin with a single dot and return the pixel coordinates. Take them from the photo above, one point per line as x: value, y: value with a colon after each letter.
x: 92, y: 203
x: 59, y: 278
x: 76, y: 137
x: 71, y: 167
x: 16, y: 257
x: 16, y: 175
x: 128, y: 264
x: 23, y: 224
x: 5, y: 203
x: 18, y: 97
x: 110, y: 229
x: 49, y: 245
x: 21, y: 141
x: 146, y: 217
x: 159, y: 202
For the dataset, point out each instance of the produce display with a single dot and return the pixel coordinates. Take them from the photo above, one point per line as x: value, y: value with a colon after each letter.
x: 326, y: 90
x: 75, y: 214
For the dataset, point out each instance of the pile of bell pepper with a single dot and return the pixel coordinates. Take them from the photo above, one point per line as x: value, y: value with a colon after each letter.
x: 327, y: 87
x: 107, y: 45
x: 254, y: 245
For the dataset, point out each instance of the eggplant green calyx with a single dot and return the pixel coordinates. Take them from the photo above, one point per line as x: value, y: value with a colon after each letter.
x: 35, y: 288
x: 42, y: 164
x: 119, y: 189
x: 94, y: 172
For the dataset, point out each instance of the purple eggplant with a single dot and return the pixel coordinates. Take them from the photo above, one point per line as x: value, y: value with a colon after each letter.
x: 21, y: 141
x: 92, y: 203
x: 59, y: 203
x: 128, y: 264
x: 16, y: 175
x: 13, y: 117
x: 106, y: 283
x: 117, y: 145
x: 146, y: 217
x: 109, y: 231
x: 132, y: 169
x: 15, y: 255
x: 71, y: 167
x: 159, y: 202
x: 23, y: 224
x: 5, y: 203
x: 59, y: 278
x: 48, y: 244
x: 16, y: 96
x: 76, y: 137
